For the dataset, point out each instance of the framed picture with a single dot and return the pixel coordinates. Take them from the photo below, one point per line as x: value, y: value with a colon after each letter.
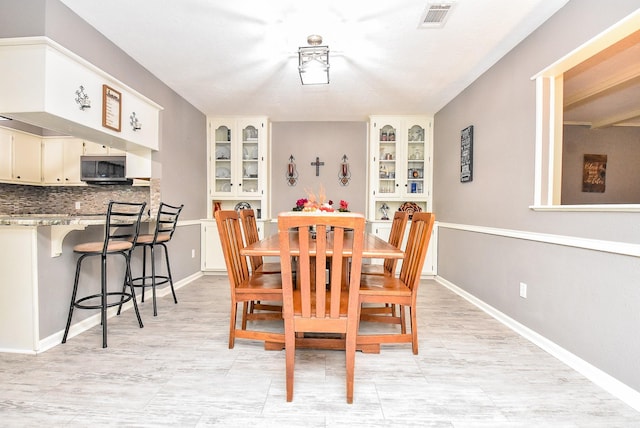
x: 466, y: 154
x: 111, y: 108
x: 594, y: 173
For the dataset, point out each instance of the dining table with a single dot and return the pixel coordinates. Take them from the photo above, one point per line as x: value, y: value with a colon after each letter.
x: 374, y: 247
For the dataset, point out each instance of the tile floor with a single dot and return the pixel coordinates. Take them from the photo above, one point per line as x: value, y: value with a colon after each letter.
x: 178, y: 371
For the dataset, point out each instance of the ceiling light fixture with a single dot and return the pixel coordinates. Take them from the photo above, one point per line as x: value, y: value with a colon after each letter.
x: 313, y: 62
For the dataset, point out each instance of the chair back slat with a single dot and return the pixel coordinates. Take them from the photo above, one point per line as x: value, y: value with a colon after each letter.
x: 166, y: 221
x: 123, y: 222
x: 398, y: 227
x: 416, y: 249
x: 232, y: 242
x: 250, y: 228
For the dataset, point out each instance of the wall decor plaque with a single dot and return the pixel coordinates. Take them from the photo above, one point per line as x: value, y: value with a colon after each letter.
x: 111, y: 108
x: 466, y: 154
x: 594, y: 172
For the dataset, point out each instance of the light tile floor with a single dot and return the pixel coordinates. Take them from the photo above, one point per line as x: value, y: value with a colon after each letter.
x: 178, y: 371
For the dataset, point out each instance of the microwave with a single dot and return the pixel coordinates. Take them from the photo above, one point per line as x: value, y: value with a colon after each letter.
x: 104, y: 170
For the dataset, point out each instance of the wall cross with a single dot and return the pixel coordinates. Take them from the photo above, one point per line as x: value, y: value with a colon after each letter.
x: 317, y: 164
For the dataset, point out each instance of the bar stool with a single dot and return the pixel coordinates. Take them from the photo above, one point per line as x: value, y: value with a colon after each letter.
x: 166, y: 222
x: 121, y: 231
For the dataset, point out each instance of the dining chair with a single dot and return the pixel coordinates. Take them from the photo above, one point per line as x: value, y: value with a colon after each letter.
x: 246, y: 287
x: 308, y: 305
x: 401, y: 290
x: 398, y: 227
x: 165, y: 226
x: 251, y: 236
x: 250, y: 229
x: 121, y: 232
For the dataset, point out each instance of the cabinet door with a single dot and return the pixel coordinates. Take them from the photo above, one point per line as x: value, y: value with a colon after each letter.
x: 386, y: 135
x: 53, y: 161
x: 95, y: 149
x: 221, y: 157
x: 417, y: 167
x: 27, y: 159
x: 61, y: 161
x: 6, y: 155
x: 249, y: 172
x: 211, y: 248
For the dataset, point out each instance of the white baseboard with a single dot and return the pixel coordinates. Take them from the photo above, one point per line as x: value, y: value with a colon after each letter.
x: 594, y: 374
x: 56, y: 338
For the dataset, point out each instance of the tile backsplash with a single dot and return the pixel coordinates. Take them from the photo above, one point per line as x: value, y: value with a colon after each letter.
x: 21, y: 199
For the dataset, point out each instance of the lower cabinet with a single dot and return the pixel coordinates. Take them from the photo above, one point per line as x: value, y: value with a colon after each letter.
x: 211, y: 248
x: 382, y: 229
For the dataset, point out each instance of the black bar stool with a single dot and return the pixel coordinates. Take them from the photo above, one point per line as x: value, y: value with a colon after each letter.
x: 121, y: 232
x: 166, y: 222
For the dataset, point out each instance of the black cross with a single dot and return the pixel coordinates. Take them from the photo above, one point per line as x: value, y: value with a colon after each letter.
x: 317, y: 164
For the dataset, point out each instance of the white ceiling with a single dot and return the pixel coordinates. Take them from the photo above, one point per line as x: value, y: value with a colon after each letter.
x: 240, y: 57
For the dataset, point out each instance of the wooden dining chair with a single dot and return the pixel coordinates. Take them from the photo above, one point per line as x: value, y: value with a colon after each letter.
x: 398, y: 227
x: 250, y: 228
x: 310, y: 306
x: 401, y: 290
x: 245, y: 287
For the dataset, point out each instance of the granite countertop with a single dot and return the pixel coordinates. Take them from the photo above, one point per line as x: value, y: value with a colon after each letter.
x: 53, y: 219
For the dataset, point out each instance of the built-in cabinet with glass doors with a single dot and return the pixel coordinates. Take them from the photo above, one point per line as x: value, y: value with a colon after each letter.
x: 238, y: 179
x: 400, y: 172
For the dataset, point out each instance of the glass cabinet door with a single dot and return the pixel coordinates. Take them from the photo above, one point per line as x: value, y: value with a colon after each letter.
x: 416, y: 160
x: 222, y: 154
x: 250, y: 160
x: 388, y: 160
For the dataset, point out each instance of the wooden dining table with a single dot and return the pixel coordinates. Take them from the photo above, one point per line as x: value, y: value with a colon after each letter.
x: 373, y: 248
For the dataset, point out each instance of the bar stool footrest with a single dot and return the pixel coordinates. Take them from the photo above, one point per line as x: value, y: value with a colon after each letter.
x: 125, y: 297
x: 147, y: 281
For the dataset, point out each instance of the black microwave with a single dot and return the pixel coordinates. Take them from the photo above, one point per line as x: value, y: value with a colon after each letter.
x: 104, y: 169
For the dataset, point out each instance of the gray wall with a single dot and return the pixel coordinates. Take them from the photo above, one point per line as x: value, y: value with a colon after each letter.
x: 622, y: 147
x: 586, y: 301
x: 328, y: 141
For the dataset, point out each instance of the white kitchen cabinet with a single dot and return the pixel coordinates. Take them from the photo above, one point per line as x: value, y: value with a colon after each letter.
x: 6, y: 155
x: 27, y: 150
x: 61, y: 161
x: 211, y: 248
x: 400, y: 164
x: 97, y: 149
x: 237, y: 162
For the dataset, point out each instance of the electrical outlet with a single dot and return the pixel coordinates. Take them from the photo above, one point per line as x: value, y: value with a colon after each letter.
x: 78, y: 205
x: 523, y: 290
x: 193, y: 253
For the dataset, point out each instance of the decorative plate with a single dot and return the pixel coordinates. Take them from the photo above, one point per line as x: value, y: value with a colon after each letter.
x: 410, y: 207
x: 251, y: 170
x: 223, y: 153
x: 243, y: 206
x: 223, y: 173
x: 226, y: 187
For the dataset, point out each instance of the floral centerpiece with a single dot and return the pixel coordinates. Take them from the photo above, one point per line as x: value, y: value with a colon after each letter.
x: 313, y: 203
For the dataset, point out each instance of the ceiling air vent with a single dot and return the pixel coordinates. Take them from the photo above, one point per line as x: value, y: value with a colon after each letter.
x: 435, y: 15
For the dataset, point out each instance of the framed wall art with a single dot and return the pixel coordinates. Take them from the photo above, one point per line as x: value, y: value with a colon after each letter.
x: 466, y: 154
x: 111, y: 108
x: 594, y: 173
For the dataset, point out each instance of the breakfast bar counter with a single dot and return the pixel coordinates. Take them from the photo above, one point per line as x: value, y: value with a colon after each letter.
x: 38, y: 266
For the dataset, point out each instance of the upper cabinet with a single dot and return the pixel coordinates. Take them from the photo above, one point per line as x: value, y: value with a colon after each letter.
x: 400, y: 166
x: 237, y: 161
x: 61, y: 161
